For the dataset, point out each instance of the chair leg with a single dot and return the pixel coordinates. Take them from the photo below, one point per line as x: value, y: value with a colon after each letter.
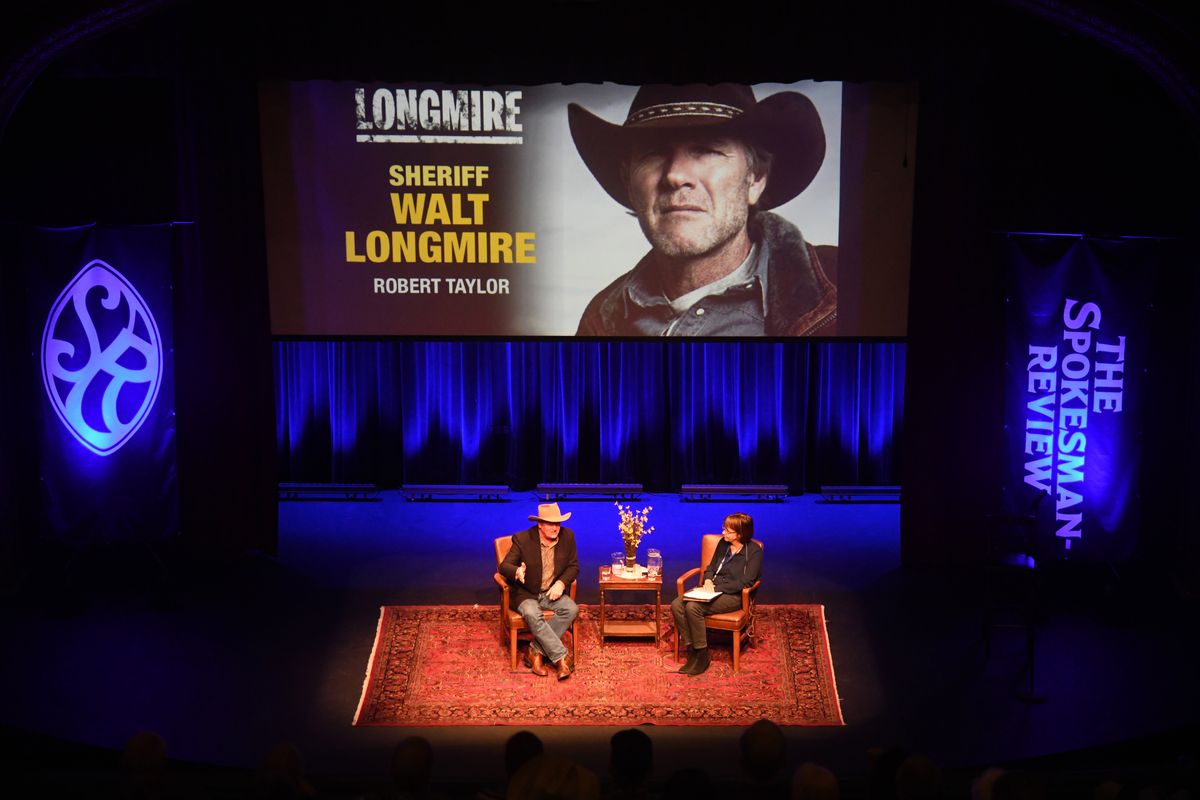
x: 737, y: 650
x: 676, y: 638
x: 512, y: 649
x: 574, y: 638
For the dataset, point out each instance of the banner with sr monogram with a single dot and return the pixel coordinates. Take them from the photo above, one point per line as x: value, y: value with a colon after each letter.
x: 1078, y: 323
x: 100, y: 330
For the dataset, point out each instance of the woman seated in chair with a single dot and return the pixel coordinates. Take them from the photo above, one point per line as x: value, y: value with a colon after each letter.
x: 736, y: 564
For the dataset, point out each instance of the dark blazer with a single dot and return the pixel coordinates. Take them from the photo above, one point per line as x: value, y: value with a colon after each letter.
x: 527, y: 547
x: 741, y: 571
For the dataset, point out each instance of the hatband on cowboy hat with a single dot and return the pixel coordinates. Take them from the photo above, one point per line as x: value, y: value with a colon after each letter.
x: 548, y: 512
x: 786, y: 124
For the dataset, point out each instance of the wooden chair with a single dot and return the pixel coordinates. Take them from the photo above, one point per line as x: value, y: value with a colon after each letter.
x: 512, y: 623
x: 739, y: 622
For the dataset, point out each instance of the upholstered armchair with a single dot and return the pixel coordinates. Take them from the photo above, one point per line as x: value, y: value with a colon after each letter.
x: 512, y: 623
x: 739, y: 622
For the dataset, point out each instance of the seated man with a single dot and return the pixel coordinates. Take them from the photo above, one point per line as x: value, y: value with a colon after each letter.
x: 540, y: 565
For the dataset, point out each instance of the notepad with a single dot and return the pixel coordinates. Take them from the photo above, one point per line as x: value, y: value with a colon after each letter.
x: 700, y: 594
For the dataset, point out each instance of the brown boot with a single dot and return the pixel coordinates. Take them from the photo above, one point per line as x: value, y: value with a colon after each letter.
x: 565, y: 667
x: 537, y: 663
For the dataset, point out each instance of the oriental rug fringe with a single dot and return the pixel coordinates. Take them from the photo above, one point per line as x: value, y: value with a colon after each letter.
x: 448, y: 665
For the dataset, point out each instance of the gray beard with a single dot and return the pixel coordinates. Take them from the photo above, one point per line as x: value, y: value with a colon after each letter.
x: 677, y: 247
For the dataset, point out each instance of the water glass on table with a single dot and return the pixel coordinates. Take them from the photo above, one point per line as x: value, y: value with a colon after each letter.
x: 618, y: 563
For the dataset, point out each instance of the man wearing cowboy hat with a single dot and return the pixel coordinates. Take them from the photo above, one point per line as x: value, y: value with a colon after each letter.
x: 700, y: 166
x: 540, y: 565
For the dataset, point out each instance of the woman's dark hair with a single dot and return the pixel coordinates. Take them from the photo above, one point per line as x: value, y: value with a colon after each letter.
x: 742, y: 525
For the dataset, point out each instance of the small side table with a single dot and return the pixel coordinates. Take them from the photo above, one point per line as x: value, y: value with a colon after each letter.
x: 622, y: 583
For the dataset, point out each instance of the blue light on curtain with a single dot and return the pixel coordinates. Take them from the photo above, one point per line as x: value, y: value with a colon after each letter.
x: 656, y: 413
x: 857, y: 412
x: 732, y: 401
x: 632, y: 408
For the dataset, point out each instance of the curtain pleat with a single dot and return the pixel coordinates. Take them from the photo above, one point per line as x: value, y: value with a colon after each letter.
x: 657, y: 413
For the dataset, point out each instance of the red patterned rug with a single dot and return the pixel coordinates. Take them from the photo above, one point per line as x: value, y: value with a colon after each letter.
x: 447, y: 665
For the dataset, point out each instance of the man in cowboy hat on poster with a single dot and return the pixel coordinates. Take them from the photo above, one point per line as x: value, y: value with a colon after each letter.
x: 540, y: 565
x: 701, y: 166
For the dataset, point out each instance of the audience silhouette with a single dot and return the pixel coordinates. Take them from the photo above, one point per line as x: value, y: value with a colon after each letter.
x: 814, y: 782
x: 631, y: 765
x: 412, y: 770
x: 687, y: 784
x: 763, y: 755
x: 550, y: 777
x: 532, y: 774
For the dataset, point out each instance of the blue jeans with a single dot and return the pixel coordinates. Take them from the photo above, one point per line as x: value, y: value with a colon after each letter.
x: 547, y: 636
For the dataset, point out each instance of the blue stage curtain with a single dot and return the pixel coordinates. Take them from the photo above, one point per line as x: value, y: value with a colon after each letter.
x: 656, y: 413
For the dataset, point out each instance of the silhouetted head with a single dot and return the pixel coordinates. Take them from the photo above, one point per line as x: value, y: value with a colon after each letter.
x: 763, y: 751
x: 412, y: 764
x: 549, y: 777
x: 814, y: 782
x: 520, y: 747
x: 632, y: 758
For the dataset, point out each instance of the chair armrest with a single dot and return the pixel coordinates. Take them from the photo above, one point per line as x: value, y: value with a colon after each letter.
x: 747, y: 591
x: 684, y: 577
x: 572, y: 589
x: 504, y: 592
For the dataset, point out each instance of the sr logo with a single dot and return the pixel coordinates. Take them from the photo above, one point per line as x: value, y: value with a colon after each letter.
x: 101, y: 358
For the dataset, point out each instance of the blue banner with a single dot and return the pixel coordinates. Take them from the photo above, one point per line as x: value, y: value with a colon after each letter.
x: 1078, y: 322
x: 101, y: 364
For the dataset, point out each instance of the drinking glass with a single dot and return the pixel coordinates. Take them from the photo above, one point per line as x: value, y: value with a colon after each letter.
x: 653, y: 563
x: 605, y: 572
x: 618, y: 563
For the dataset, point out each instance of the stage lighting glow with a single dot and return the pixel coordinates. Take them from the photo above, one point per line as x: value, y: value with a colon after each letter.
x: 101, y: 358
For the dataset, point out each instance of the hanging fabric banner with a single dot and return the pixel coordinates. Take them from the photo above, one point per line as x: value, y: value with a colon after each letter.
x: 1078, y: 322
x: 100, y: 339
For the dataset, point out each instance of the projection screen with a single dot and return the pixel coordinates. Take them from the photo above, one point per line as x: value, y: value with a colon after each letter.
x: 448, y: 211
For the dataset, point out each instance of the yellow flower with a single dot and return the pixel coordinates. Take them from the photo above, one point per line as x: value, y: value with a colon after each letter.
x: 633, y: 523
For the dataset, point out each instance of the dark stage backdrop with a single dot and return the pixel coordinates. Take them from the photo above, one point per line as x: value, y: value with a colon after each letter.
x: 657, y: 413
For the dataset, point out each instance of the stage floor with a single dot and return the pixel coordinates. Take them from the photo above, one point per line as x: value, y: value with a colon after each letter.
x: 226, y: 660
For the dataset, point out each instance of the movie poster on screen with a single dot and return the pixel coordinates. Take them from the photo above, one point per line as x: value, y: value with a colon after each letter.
x: 423, y: 209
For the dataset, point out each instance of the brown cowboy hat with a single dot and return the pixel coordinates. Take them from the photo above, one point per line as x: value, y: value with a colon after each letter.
x: 548, y: 512
x: 786, y: 124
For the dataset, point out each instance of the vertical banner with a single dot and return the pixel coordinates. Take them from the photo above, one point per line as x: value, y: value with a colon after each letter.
x: 1078, y: 322
x: 99, y: 334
